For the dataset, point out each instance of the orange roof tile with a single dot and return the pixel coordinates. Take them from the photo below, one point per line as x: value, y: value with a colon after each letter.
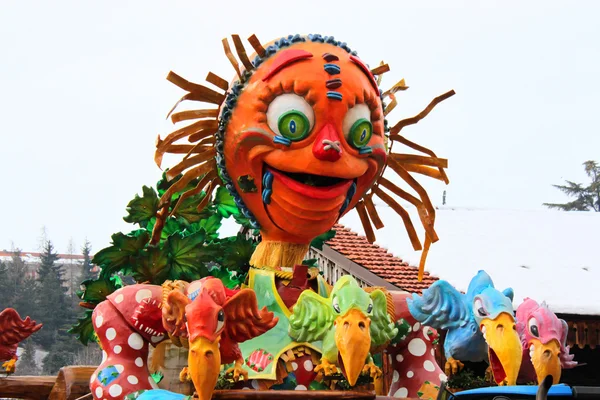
x: 377, y: 260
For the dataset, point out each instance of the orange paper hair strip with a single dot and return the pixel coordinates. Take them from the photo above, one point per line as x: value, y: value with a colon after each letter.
x: 203, y: 133
x: 231, y: 58
x: 364, y: 219
x: 217, y: 81
x: 424, y: 258
x: 373, y: 215
x: 416, y: 186
x: 187, y: 178
x: 397, y: 87
x: 186, y: 131
x: 382, y: 69
x: 198, y: 189
x: 423, y: 170
x: 413, y: 120
x: 190, y: 162
x: 241, y: 52
x: 424, y: 216
x: 255, y: 43
x: 422, y: 160
x: 194, y: 114
x: 410, y: 229
x: 413, y: 145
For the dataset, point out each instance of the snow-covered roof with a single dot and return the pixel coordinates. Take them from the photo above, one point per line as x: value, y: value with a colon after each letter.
x: 545, y: 255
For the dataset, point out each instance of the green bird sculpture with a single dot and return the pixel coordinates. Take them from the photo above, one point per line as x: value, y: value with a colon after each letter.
x: 351, y: 323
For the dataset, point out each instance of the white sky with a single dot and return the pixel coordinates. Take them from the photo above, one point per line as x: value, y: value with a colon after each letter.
x: 83, y: 95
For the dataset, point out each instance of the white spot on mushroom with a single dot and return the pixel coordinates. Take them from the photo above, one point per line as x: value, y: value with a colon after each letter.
x: 132, y: 379
x: 104, y: 356
x: 433, y: 352
x: 142, y: 294
x: 410, y: 374
x: 443, y: 377
x: 402, y: 393
x: 396, y: 377
x: 135, y: 341
x: 119, y: 368
x: 294, y: 366
x: 254, y: 383
x: 300, y: 387
x: 156, y: 339
x: 115, y: 390
x: 111, y: 333
x: 119, y: 298
x: 399, y: 357
x: 99, y: 392
x: 139, y: 362
x: 416, y: 326
x: 417, y: 347
x: 429, y: 366
x: 117, y: 349
x: 308, y: 365
x: 99, y: 321
x: 93, y: 378
x: 426, y: 332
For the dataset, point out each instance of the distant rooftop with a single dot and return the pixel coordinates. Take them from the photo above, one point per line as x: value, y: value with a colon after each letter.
x: 543, y: 254
x: 33, y: 257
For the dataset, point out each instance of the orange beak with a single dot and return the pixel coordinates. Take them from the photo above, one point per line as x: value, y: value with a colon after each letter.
x: 204, y: 365
x: 353, y: 340
x: 545, y: 359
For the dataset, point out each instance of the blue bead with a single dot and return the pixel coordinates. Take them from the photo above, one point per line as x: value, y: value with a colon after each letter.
x: 332, y: 69
x: 266, y: 196
x: 365, y: 150
x: 334, y: 95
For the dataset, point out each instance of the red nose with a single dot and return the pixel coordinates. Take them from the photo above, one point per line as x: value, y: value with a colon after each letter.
x: 327, y: 145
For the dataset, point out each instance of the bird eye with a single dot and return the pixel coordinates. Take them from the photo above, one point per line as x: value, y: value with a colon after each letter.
x: 220, y: 320
x: 479, y: 309
x: 357, y: 126
x: 533, y: 327
x: 370, y: 307
x: 290, y: 116
x: 336, y: 306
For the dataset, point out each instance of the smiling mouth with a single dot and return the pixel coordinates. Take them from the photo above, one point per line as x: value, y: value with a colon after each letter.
x: 497, y: 368
x: 318, y: 187
x: 319, y: 181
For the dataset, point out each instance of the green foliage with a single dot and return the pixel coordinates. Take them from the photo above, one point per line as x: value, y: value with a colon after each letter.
x: 61, y: 353
x: 189, y: 247
x: 587, y: 198
x: 27, y: 364
x: 466, y: 379
x: 157, y: 377
x: 318, y: 242
x: 86, y: 267
x: 403, y: 330
x: 83, y: 329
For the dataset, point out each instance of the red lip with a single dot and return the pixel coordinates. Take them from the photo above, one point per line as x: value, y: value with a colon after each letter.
x: 319, y: 193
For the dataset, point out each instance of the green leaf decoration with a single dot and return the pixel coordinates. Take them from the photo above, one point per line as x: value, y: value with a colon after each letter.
x: 188, y: 209
x: 318, y: 242
x: 311, y: 262
x: 120, y: 255
x: 225, y: 203
x: 231, y: 279
x: 96, y: 291
x: 403, y: 330
x: 157, y: 377
x: 83, y: 329
x: 152, y: 266
x: 210, y: 226
x: 186, y: 256
x: 141, y: 209
x: 164, y: 184
x: 237, y: 253
x: 245, y: 222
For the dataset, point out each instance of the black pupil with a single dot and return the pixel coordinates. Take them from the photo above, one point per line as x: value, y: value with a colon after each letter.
x: 481, y: 311
x: 221, y: 316
x: 534, y: 330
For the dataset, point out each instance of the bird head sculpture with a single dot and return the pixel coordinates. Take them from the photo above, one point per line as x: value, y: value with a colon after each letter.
x: 214, y: 324
x: 544, y: 340
x: 350, y: 322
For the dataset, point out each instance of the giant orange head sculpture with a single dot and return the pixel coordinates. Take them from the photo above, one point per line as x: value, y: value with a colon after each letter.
x: 299, y: 139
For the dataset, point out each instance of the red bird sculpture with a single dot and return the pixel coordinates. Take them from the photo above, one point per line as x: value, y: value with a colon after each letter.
x: 13, y: 330
x: 215, y: 320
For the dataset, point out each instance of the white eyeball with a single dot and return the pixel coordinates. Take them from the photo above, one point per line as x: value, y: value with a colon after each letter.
x: 356, y: 113
x: 290, y: 116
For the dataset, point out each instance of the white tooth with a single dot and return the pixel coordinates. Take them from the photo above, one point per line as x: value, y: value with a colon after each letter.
x: 531, y: 349
x: 484, y: 337
x: 483, y: 329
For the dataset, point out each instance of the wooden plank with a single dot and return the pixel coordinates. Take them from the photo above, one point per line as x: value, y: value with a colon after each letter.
x: 580, y: 334
x: 27, y: 387
x: 72, y: 383
x: 572, y: 335
x: 592, y: 334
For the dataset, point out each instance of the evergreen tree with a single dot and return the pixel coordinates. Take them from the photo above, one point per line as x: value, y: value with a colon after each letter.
x: 86, y: 272
x: 27, y: 364
x: 24, y: 300
x: 587, y: 198
x: 54, y: 308
x: 20, y: 288
x: 5, y: 293
x: 62, y: 353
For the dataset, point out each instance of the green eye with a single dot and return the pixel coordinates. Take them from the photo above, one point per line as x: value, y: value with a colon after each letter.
x: 360, y: 133
x: 293, y: 125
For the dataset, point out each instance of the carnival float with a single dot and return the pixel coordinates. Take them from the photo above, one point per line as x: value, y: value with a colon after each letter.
x: 299, y: 138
